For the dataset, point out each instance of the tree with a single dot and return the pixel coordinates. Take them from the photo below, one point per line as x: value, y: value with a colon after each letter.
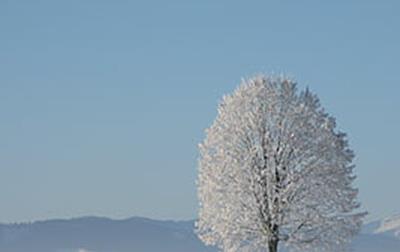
x: 273, y: 169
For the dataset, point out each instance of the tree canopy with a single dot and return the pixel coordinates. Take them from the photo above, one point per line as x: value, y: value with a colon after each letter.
x: 275, y: 170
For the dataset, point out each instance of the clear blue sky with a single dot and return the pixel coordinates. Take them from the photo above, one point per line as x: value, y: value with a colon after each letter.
x: 102, y: 103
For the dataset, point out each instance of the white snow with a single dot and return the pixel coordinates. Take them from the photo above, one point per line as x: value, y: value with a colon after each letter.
x: 390, y: 224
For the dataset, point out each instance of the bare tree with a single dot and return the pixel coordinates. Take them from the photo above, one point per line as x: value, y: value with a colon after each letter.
x: 273, y: 169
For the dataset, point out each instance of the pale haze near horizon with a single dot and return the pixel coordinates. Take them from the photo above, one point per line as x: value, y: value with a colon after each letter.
x: 103, y: 103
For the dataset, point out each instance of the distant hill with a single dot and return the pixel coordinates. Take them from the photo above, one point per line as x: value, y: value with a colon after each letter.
x: 100, y: 235
x: 94, y: 234
x: 379, y: 236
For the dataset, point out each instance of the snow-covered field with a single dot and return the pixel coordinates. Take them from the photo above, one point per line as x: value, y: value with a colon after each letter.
x: 93, y: 234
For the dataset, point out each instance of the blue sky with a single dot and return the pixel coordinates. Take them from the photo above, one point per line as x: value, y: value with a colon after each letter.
x: 103, y: 103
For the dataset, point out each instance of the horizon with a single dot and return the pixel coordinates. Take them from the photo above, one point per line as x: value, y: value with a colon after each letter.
x: 366, y: 222
x: 96, y: 217
x: 103, y: 104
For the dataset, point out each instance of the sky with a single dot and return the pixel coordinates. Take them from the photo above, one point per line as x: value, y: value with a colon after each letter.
x: 103, y: 103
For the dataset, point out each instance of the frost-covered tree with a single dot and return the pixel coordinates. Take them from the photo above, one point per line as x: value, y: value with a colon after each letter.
x: 274, y: 170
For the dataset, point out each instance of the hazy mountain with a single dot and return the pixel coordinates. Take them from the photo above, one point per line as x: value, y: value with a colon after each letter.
x: 94, y: 234
x: 390, y: 226
x: 100, y: 235
x: 382, y: 235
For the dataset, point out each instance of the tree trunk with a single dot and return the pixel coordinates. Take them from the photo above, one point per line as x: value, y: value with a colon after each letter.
x: 273, y: 245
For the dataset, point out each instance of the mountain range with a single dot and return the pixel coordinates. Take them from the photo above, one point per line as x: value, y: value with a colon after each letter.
x: 97, y: 234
